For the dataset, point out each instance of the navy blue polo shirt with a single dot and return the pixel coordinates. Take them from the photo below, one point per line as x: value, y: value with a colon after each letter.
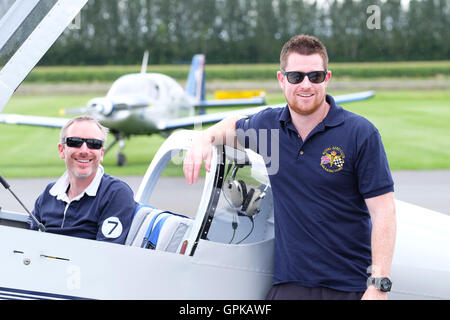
x: 322, y: 224
x: 103, y: 212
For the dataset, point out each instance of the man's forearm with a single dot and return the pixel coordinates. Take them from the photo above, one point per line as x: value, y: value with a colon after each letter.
x: 383, y: 216
x: 383, y: 243
x: 382, y: 213
x: 223, y: 132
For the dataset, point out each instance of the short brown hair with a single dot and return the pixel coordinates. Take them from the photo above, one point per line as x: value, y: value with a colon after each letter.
x: 305, y: 45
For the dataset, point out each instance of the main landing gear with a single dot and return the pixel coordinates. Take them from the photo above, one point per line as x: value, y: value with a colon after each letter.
x: 121, y: 159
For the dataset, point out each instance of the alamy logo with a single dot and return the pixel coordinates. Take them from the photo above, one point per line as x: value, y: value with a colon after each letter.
x: 75, y: 24
x: 374, y: 20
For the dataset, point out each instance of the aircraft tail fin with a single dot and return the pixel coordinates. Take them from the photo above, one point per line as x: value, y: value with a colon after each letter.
x: 195, y: 86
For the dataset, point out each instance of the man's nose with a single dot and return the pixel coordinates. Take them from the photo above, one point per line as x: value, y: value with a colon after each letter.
x: 305, y: 83
x: 84, y: 147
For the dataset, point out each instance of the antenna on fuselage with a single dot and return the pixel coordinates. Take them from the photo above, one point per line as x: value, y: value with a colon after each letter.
x: 144, y: 62
x: 6, y: 185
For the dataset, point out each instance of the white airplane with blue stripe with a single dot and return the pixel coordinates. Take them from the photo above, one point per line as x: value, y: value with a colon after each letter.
x: 144, y: 104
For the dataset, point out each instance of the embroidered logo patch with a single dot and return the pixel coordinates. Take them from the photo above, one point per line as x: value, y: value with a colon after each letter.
x: 332, y: 159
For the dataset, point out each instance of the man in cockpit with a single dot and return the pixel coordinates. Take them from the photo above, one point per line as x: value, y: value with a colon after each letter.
x: 85, y: 202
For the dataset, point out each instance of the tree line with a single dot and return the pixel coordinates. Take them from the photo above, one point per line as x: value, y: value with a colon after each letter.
x: 253, y: 31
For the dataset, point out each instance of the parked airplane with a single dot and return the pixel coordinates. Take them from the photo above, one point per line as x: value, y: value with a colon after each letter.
x: 143, y: 103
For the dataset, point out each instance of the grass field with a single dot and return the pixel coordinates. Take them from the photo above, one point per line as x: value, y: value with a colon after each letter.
x: 414, y: 126
x: 231, y: 72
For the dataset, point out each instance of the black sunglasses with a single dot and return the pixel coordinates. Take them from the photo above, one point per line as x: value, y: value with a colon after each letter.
x: 295, y: 77
x: 75, y: 142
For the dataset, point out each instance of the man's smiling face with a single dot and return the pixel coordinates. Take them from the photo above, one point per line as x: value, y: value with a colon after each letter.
x: 305, y: 97
x: 82, y: 163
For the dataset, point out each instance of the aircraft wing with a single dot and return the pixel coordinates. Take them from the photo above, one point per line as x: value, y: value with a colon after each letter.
x: 172, y: 124
x: 351, y: 97
x: 231, y: 102
x: 33, y: 120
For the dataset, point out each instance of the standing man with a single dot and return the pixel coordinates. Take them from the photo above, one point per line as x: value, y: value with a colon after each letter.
x: 85, y: 202
x: 334, y: 206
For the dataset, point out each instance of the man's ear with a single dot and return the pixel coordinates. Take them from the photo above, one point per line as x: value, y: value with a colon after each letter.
x: 102, y: 153
x: 328, y: 76
x: 280, y: 78
x: 62, y: 154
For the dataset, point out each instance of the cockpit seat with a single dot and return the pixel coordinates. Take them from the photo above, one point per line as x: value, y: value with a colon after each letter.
x: 157, y: 229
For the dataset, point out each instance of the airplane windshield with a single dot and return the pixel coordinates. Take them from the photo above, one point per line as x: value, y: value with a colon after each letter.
x: 171, y: 191
x: 242, y: 212
x: 18, y: 20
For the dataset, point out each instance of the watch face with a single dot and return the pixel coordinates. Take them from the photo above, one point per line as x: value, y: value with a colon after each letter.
x: 385, y: 285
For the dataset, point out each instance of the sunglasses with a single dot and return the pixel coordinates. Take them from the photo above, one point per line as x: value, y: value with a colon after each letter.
x: 295, y: 77
x: 75, y: 142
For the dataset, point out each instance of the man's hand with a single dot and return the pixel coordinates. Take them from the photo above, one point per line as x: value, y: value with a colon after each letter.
x: 373, y: 293
x: 200, y: 150
x: 223, y: 132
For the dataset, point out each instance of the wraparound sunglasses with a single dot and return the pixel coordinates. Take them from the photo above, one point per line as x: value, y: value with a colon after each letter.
x: 295, y: 77
x: 75, y: 142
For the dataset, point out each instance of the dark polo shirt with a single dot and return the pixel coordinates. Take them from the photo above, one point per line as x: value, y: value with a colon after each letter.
x: 102, y: 212
x: 322, y: 224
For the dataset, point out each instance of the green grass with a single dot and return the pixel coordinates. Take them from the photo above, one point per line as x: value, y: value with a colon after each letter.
x: 414, y: 126
x: 232, y: 72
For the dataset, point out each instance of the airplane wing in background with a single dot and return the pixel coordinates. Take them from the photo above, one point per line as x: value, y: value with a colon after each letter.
x: 171, y: 124
x: 358, y: 96
x: 231, y: 102
x: 33, y: 120
x: 215, y: 117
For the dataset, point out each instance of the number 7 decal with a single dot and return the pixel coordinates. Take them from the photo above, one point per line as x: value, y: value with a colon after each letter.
x: 112, y: 228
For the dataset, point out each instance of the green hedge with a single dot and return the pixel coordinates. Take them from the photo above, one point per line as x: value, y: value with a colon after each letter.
x: 240, y: 72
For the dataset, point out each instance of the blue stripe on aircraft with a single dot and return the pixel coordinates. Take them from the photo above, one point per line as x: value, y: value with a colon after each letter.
x: 35, y: 294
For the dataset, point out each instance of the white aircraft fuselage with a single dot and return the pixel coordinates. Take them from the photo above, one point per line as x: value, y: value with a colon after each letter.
x: 208, y: 260
x: 202, y: 264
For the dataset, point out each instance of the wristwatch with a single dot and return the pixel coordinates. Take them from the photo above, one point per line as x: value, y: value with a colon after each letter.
x: 383, y: 284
